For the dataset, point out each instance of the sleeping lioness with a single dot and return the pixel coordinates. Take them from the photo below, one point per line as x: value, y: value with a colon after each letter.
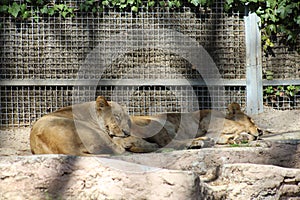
x: 84, y: 129
x: 235, y: 114
x: 173, y: 129
x: 102, y: 127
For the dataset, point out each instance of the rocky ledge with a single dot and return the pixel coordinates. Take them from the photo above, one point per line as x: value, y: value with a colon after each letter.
x: 250, y: 172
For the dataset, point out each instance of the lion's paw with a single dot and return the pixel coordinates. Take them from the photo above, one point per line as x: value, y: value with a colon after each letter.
x: 261, y: 143
x: 201, y: 142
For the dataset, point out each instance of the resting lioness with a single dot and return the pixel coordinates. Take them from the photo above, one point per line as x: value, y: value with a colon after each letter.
x: 85, y: 129
x: 169, y: 129
x: 235, y: 113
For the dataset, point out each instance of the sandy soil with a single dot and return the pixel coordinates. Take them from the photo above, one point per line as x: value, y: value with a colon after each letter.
x: 15, y: 142
x: 283, y: 125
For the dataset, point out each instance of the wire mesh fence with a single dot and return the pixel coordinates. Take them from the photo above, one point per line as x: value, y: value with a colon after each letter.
x: 43, y: 64
x: 54, y: 48
x: 284, y: 64
x: 22, y: 105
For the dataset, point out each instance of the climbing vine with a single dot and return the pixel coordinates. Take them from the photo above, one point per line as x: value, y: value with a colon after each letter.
x: 280, y: 20
x: 30, y: 8
x: 35, y: 8
x: 278, y: 94
x: 280, y: 91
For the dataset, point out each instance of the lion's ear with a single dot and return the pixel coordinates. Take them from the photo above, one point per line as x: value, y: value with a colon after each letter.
x: 101, y: 103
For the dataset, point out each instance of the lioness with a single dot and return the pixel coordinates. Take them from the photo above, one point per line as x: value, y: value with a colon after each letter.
x: 173, y: 129
x: 235, y: 113
x: 85, y: 129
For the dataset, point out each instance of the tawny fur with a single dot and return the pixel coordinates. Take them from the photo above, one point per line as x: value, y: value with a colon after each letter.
x: 83, y: 129
x: 175, y: 129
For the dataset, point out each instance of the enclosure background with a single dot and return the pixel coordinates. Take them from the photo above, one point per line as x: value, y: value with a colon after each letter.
x: 40, y: 62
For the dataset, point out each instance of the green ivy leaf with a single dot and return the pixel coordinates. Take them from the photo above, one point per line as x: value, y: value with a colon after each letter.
x: 289, y: 37
x: 177, y: 4
x: 40, y: 2
x: 51, y: 11
x: 3, y: 9
x: 94, y: 10
x: 260, y: 11
x: 105, y: 3
x: 122, y: 6
x: 59, y: 7
x: 229, y: 2
x: 284, y: 11
x: 203, y: 2
x: 134, y: 8
x: 272, y: 27
x: 252, y: 1
x: 195, y: 2
x: 162, y: 3
x: 26, y: 14
x: 64, y: 14
x: 280, y: 88
x: 271, y: 4
x: 291, y: 87
x: 269, y: 90
x: 23, y: 7
x: 297, y: 20
x: 269, y: 75
x: 14, y: 9
x: 151, y: 3
x: 44, y: 10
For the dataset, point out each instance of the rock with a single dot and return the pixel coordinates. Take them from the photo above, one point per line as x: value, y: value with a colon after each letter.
x: 206, y: 161
x: 70, y: 177
x: 252, y: 181
x: 260, y: 170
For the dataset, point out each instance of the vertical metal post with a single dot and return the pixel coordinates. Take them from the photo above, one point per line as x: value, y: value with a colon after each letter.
x: 253, y: 64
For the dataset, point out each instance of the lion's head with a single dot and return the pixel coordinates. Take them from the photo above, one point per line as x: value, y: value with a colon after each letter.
x: 235, y: 114
x: 115, y: 117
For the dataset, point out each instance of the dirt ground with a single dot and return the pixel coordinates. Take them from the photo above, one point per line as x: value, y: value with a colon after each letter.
x: 283, y: 125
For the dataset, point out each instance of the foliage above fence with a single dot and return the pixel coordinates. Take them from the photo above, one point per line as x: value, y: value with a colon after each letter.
x: 278, y: 17
x: 31, y: 8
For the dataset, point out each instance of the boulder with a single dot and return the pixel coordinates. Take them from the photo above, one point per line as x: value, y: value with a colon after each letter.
x: 255, y: 171
x: 71, y: 177
x: 205, y: 162
x: 252, y: 181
